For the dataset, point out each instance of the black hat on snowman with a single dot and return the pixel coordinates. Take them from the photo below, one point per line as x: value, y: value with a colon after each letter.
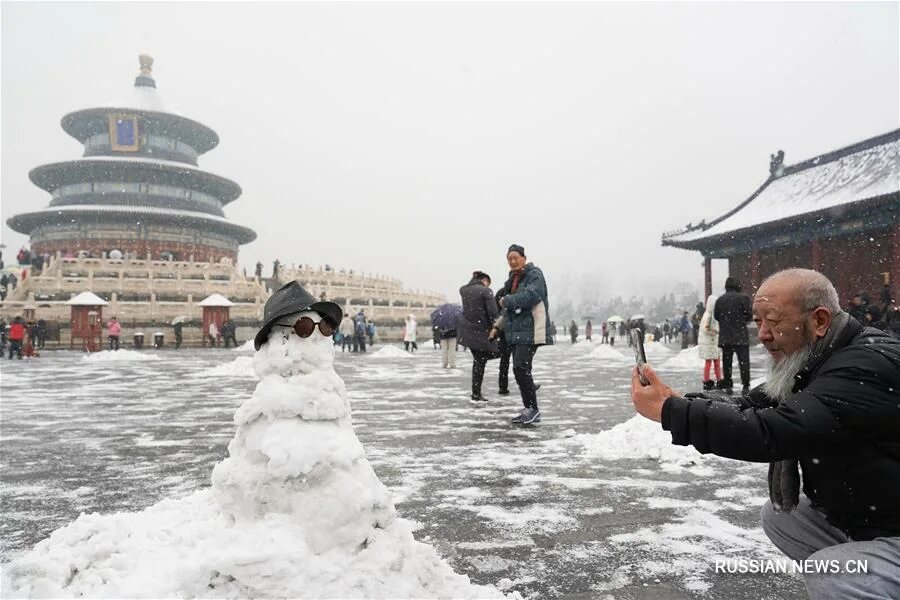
x: 290, y: 299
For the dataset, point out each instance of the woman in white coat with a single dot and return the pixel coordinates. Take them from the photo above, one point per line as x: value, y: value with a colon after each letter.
x: 708, y: 344
x: 409, y: 336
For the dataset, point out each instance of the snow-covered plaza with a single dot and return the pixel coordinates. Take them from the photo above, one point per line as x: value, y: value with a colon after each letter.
x: 593, y: 502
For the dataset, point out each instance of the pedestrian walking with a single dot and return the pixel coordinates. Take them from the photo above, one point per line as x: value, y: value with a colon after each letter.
x: 448, y: 348
x: 114, y: 330
x: 4, y: 333
x: 213, y: 333
x: 612, y: 333
x: 16, y: 337
x: 229, y: 333
x: 573, y: 331
x: 40, y: 333
x: 409, y: 334
x: 525, y: 318
x: 733, y: 313
x: 346, y: 330
x: 604, y: 333
x: 480, y: 311
x: 588, y: 330
x: 359, y: 332
x: 370, y: 331
x: 708, y: 344
x: 695, y: 323
x: 179, y: 334
x: 684, y: 328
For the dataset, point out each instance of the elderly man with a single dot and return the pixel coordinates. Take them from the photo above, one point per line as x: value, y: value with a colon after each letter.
x: 525, y: 321
x: 830, y: 405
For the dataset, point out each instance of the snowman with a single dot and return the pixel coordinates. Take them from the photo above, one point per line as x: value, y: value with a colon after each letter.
x: 295, y: 510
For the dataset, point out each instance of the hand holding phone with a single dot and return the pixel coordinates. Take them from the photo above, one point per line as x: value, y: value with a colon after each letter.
x: 640, y: 358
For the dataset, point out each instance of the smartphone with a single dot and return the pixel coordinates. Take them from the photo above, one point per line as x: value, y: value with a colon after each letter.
x: 637, y: 342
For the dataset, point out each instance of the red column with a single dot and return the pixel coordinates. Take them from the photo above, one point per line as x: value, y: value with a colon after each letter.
x: 707, y: 276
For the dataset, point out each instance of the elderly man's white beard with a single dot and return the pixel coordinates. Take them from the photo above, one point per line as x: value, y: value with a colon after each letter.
x: 781, y: 377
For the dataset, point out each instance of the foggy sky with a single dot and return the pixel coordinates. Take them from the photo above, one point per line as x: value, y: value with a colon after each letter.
x: 419, y: 140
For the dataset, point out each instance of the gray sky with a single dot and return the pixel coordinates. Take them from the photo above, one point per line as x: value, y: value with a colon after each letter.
x: 418, y: 140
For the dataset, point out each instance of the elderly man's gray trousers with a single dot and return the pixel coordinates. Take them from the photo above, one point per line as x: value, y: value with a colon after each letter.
x: 805, y: 534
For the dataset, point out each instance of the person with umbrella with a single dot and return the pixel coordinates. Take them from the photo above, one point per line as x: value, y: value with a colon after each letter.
x: 178, y: 326
x: 479, y: 311
x: 445, y: 318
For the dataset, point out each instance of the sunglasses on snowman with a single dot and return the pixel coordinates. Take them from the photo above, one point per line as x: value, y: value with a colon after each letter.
x: 304, y: 327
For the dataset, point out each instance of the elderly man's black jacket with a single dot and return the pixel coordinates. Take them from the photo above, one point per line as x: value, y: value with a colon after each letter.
x: 842, y: 424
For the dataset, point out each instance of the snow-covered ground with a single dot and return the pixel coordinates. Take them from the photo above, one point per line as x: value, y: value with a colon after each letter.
x: 592, y: 501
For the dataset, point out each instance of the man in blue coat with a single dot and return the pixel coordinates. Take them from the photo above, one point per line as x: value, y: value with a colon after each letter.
x: 525, y: 320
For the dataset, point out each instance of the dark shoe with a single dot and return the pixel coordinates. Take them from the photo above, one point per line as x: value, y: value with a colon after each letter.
x: 531, y: 416
x: 708, y: 385
x: 518, y: 418
x: 478, y: 398
x: 745, y: 390
x: 503, y: 392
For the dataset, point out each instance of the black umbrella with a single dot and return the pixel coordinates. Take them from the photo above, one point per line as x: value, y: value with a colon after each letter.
x: 446, y: 316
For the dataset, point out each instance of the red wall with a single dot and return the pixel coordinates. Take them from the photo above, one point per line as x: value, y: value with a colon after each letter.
x: 853, y: 263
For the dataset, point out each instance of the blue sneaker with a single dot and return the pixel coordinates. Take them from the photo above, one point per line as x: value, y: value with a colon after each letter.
x: 532, y: 416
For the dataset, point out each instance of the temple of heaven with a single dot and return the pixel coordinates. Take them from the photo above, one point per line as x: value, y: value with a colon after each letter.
x: 137, y: 188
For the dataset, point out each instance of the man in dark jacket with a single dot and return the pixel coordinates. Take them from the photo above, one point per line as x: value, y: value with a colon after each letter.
x: 829, y: 410
x: 229, y: 331
x: 733, y: 313
x: 474, y: 328
x: 525, y: 320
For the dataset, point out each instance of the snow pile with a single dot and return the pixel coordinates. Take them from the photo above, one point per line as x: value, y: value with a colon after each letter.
x: 638, y: 437
x: 688, y: 360
x: 656, y: 352
x: 241, y: 367
x: 294, y: 511
x: 245, y: 347
x: 118, y: 356
x: 608, y: 354
x: 390, y: 352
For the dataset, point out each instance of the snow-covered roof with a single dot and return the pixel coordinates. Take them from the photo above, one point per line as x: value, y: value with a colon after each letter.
x: 53, y: 175
x: 27, y: 220
x: 869, y: 169
x: 87, y: 299
x: 139, y: 98
x: 215, y: 300
x: 162, y: 162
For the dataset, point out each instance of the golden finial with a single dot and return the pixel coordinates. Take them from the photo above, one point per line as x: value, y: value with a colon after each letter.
x: 146, y: 64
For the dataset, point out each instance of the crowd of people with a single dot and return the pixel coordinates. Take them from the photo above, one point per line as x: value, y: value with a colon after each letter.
x: 21, y: 338
x: 354, y: 332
